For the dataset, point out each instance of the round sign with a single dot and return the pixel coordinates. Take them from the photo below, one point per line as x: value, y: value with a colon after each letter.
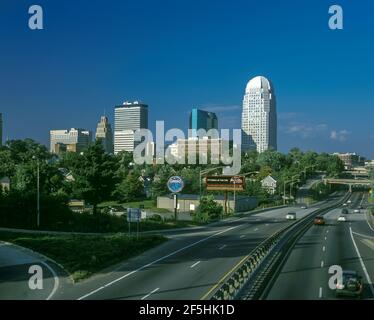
x: 175, y: 184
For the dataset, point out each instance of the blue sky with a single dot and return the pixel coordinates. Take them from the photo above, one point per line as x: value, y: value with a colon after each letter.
x: 179, y: 54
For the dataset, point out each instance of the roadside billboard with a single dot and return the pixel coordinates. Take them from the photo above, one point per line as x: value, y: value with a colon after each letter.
x: 225, y: 183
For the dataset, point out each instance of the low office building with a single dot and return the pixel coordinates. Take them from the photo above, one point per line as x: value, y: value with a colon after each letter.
x: 196, y: 148
x: 4, y: 183
x: 73, y: 140
x: 351, y: 160
x: 190, y: 203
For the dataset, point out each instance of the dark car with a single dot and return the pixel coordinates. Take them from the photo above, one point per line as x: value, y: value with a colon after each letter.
x: 351, y: 285
x: 319, y: 221
x: 345, y: 211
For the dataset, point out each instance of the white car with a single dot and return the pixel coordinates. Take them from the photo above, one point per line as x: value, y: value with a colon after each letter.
x: 349, y: 201
x: 344, y: 204
x: 291, y: 216
x: 356, y: 211
x: 342, y: 219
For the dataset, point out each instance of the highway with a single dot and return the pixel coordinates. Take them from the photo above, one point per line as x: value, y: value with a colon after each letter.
x: 188, y: 266
x: 194, y: 261
x: 350, y: 244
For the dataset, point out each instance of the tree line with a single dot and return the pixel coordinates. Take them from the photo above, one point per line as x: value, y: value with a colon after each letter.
x: 96, y: 176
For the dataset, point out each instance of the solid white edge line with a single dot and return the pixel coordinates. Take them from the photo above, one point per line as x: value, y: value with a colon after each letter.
x: 155, y: 261
x: 362, y: 263
x: 152, y: 292
x: 54, y: 274
x: 367, y: 221
x: 362, y: 235
x: 195, y: 264
x: 222, y: 247
x: 57, y: 282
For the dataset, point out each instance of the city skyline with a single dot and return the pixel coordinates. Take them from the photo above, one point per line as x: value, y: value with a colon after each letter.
x: 317, y: 97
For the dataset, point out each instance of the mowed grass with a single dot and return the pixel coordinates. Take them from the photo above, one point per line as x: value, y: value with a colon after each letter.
x: 83, y: 255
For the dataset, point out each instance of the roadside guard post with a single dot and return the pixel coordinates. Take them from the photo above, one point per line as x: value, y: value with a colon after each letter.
x: 175, y: 184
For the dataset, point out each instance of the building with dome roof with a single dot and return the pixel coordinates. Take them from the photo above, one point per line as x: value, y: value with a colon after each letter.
x: 259, y: 117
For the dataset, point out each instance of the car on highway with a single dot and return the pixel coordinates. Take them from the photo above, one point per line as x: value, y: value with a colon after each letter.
x: 349, y: 201
x: 291, y: 216
x: 344, y: 204
x: 345, y: 211
x: 356, y: 211
x: 350, y: 285
x: 342, y: 219
x: 319, y: 221
x: 304, y: 207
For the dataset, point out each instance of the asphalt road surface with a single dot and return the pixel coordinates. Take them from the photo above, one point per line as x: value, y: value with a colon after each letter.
x: 189, y: 265
x: 349, y: 244
x: 15, y: 274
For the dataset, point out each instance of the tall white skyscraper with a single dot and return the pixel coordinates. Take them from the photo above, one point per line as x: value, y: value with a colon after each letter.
x: 259, y: 117
x: 128, y: 117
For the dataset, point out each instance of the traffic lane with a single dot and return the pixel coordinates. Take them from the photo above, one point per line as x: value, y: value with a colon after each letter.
x: 340, y: 251
x: 305, y: 273
x: 221, y: 257
x: 363, y: 237
x: 131, y: 283
x: 17, y: 266
x: 329, y: 245
x: 300, y: 276
x: 175, y: 246
x: 267, y: 216
x: 195, y: 277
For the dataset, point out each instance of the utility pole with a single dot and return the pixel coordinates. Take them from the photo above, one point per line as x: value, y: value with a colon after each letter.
x: 38, y: 195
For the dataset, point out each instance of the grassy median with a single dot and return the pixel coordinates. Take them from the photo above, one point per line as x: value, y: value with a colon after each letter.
x: 83, y: 255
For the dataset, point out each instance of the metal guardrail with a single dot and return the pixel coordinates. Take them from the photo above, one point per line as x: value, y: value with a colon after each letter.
x: 250, y: 276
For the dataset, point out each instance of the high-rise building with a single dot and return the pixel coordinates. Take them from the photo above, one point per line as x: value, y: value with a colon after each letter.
x: 200, y: 119
x: 128, y: 117
x: 259, y: 117
x: 73, y: 140
x: 105, y: 134
x: 1, y: 129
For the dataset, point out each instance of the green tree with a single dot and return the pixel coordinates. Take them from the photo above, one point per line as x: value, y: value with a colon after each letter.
x: 94, y: 175
x: 208, y: 209
x: 159, y: 185
x: 130, y: 189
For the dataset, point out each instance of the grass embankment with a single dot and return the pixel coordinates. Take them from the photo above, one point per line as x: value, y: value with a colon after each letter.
x: 148, y: 205
x: 84, y: 255
x: 150, y: 225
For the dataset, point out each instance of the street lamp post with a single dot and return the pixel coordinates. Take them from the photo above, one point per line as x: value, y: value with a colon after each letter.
x: 37, y: 191
x: 284, y: 188
x: 205, y: 172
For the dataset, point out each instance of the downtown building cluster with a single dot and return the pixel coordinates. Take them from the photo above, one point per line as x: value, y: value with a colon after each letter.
x: 259, y: 126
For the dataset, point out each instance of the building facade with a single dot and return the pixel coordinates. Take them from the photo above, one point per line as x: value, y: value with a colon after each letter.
x: 104, y: 133
x: 200, y: 119
x: 128, y: 117
x: 73, y: 140
x: 259, y: 117
x: 196, y: 148
x: 350, y: 160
